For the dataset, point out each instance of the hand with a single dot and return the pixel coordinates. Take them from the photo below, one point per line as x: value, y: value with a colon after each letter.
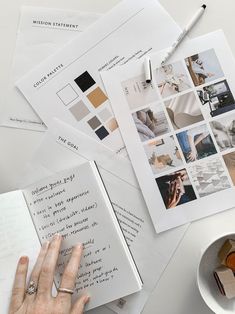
x: 174, y: 195
x: 192, y: 155
x: 42, y: 302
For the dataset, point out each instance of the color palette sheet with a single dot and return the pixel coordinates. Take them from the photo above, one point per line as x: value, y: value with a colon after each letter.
x: 68, y: 85
x: 41, y: 32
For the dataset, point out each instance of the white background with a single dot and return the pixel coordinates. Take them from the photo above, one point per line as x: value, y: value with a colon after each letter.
x: 176, y: 293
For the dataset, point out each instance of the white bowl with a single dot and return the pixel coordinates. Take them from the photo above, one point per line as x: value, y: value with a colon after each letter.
x: 206, y: 281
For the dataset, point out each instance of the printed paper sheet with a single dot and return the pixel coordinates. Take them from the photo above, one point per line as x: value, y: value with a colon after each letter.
x: 180, y: 129
x: 63, y: 146
x: 68, y: 85
x: 41, y: 32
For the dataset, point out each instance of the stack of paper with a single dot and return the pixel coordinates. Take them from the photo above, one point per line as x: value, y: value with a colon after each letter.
x: 164, y: 125
x: 69, y: 87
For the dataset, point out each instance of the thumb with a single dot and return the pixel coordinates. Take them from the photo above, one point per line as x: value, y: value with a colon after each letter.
x: 79, y: 305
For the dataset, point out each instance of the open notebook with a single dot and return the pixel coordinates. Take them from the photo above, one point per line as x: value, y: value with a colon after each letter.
x: 75, y: 204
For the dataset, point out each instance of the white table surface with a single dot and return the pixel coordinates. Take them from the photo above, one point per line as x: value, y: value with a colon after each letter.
x: 176, y: 292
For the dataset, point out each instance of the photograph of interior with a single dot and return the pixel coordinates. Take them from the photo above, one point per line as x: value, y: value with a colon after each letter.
x: 217, y: 97
x: 163, y: 154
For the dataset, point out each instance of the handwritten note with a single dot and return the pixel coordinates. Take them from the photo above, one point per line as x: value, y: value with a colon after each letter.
x: 74, y: 204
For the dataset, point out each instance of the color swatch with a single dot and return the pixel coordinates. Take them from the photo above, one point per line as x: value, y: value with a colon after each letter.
x: 84, y: 81
x: 105, y: 114
x: 102, y: 133
x: 79, y: 111
x: 94, y: 123
x: 97, y: 97
x: 67, y: 94
x: 112, y: 124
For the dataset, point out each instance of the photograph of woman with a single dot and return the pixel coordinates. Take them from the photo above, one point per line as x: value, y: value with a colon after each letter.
x: 204, y: 67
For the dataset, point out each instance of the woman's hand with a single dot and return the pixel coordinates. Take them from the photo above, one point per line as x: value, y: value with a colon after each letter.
x: 174, y: 194
x: 192, y: 155
x: 41, y: 300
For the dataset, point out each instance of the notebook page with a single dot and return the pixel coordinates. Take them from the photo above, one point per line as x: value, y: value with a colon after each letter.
x: 18, y: 237
x: 64, y: 145
x: 71, y: 203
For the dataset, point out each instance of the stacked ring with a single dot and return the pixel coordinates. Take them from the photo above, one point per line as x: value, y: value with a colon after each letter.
x: 32, y: 288
x: 65, y: 290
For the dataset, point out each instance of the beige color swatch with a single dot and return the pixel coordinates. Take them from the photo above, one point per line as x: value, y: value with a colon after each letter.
x: 97, y: 97
x: 112, y: 124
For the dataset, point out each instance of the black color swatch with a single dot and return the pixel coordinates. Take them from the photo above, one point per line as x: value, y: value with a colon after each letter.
x: 84, y: 81
x: 102, y: 133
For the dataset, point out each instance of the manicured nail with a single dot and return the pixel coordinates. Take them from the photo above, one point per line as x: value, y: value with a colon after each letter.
x: 86, y: 299
x: 23, y: 260
x: 79, y: 246
x: 57, y: 236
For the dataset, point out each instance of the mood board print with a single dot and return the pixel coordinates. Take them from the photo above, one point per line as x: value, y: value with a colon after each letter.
x: 184, y: 110
x: 172, y: 79
x: 204, y: 67
x: 139, y: 93
x: 176, y: 188
x: 196, y: 143
x: 216, y: 99
x: 209, y: 177
x: 163, y: 154
x: 224, y: 132
x: 151, y: 122
x: 229, y: 160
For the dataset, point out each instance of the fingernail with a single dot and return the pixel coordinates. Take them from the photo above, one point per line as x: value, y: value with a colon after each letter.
x: 23, y: 260
x: 86, y: 299
x: 79, y: 246
x: 57, y: 236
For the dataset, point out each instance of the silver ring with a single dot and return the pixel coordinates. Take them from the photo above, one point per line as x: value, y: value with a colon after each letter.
x: 32, y: 288
x: 65, y: 290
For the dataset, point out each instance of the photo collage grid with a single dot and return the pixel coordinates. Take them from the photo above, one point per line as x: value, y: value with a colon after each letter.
x: 87, y: 102
x: 185, y: 120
